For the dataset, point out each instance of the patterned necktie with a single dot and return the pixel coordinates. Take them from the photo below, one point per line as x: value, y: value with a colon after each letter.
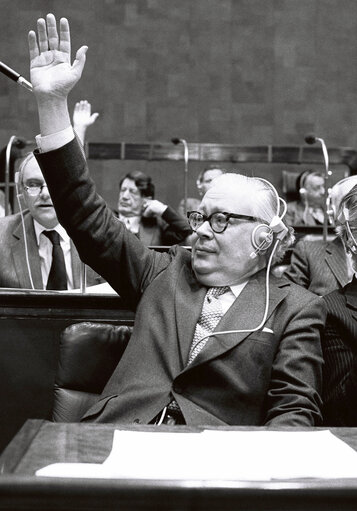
x: 210, y: 315
x: 57, y: 278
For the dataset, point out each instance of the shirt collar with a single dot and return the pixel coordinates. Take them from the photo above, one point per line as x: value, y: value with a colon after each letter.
x: 40, y: 228
x: 238, y: 288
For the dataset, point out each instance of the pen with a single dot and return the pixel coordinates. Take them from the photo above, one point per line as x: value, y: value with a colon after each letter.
x: 10, y: 73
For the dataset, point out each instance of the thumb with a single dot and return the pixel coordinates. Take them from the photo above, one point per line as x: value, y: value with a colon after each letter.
x: 80, y: 59
x: 93, y: 117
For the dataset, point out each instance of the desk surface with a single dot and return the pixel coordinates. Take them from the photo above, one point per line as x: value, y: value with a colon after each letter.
x: 40, y: 443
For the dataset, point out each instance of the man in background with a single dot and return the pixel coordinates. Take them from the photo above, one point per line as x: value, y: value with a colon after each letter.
x: 322, y: 266
x: 339, y: 341
x: 203, y: 182
x: 152, y: 221
x: 26, y: 251
x: 308, y: 210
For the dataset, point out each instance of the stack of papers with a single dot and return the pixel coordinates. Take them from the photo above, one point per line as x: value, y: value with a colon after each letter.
x: 219, y: 455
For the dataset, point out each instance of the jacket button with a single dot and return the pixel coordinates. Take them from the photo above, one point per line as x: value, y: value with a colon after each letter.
x: 136, y: 421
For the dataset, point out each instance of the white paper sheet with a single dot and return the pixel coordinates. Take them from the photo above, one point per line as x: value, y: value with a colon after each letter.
x: 219, y: 455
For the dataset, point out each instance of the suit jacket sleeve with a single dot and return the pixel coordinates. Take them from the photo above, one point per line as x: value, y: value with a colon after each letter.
x: 101, y: 239
x: 294, y: 396
x: 298, y: 271
x: 176, y: 227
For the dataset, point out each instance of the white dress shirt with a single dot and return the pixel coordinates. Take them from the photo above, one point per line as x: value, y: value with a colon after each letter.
x: 132, y: 223
x: 45, y: 252
x: 228, y: 298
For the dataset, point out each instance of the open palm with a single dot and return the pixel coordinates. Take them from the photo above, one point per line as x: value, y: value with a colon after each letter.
x: 50, y: 58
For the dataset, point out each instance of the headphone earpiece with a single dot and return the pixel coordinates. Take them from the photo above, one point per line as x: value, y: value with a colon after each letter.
x: 302, y: 191
x: 17, y: 177
x: 262, y: 238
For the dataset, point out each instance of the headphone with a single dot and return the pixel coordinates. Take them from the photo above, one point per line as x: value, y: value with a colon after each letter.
x: 263, y: 235
x: 331, y: 208
x: 301, y: 180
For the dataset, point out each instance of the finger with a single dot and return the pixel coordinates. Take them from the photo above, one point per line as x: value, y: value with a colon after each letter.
x: 93, y: 118
x: 65, y: 37
x: 80, y: 59
x: 33, y: 47
x: 76, y: 107
x: 42, y: 35
x: 52, y: 32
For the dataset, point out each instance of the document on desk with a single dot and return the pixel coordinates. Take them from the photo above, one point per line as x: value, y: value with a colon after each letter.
x: 219, y: 455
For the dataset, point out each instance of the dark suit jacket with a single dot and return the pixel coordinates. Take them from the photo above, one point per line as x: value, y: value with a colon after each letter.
x: 318, y: 266
x: 13, y: 266
x: 272, y: 376
x: 339, y: 344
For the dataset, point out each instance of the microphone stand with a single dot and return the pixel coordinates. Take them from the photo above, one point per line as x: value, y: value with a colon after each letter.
x: 327, y: 174
x: 185, y: 156
x: 7, y: 173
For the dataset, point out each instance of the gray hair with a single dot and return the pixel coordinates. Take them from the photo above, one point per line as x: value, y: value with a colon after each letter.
x: 266, y: 204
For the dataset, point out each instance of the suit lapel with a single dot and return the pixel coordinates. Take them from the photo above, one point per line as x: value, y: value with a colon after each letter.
x: 189, y: 298
x: 19, y: 255
x: 245, y: 313
x: 336, y: 259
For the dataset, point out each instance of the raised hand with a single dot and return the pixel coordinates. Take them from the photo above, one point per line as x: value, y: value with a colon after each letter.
x: 82, y: 115
x: 82, y: 118
x: 50, y: 59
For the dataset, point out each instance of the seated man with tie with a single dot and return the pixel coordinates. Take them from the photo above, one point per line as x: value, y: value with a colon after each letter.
x: 153, y: 222
x: 339, y: 341
x: 217, y: 340
x: 35, y: 250
x: 322, y: 266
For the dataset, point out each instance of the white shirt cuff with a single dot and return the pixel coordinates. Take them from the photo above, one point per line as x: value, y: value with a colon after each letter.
x: 55, y: 140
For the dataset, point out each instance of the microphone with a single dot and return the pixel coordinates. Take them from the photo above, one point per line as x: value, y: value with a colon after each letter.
x: 20, y: 142
x: 13, y: 75
x: 310, y: 138
x: 175, y: 141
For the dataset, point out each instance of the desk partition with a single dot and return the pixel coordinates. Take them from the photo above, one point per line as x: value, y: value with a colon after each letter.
x: 31, y: 323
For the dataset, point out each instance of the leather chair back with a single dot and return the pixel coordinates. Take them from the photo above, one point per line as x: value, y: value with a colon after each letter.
x: 89, y: 353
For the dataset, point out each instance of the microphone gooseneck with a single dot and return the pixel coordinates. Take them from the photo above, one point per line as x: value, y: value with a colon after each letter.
x: 311, y: 139
x: 182, y: 141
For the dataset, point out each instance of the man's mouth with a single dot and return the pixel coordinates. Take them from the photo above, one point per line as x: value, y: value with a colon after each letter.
x: 204, y: 249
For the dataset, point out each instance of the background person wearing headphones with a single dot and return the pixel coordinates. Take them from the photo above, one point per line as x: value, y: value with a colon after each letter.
x: 308, y: 210
x: 318, y: 266
x: 339, y: 341
x: 203, y: 182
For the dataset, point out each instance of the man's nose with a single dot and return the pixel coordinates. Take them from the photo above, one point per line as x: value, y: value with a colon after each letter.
x: 44, y: 191
x: 204, y: 230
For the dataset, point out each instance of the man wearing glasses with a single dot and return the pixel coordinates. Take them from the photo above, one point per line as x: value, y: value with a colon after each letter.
x: 25, y: 250
x: 215, y: 342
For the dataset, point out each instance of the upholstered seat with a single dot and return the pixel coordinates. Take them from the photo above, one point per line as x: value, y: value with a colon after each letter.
x: 89, y: 353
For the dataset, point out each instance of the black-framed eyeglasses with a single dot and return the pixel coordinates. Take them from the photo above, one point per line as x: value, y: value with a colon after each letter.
x: 218, y: 220
x: 34, y: 190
